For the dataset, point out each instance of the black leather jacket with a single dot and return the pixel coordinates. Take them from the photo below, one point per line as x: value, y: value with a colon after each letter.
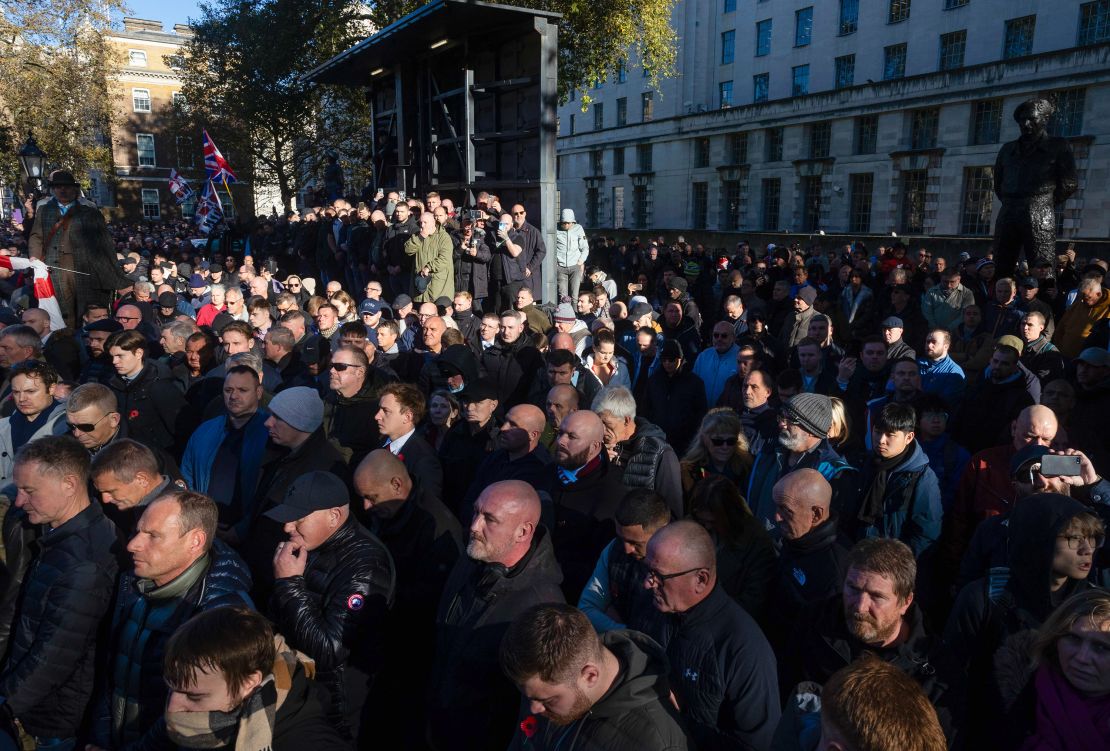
x: 336, y: 611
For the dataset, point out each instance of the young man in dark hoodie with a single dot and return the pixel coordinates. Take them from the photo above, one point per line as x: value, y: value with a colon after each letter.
x: 582, y: 691
x: 1052, y: 546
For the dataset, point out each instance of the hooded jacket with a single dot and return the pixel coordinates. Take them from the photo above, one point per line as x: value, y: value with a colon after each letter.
x: 1010, y: 602
x: 912, y: 508
x: 472, y: 704
x: 635, y: 714
x: 571, y: 246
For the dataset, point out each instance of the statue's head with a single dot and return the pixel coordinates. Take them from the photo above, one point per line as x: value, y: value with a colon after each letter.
x: 1032, y: 116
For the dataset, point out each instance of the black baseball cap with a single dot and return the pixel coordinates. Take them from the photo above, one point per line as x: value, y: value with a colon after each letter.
x: 313, y: 491
x: 478, y: 391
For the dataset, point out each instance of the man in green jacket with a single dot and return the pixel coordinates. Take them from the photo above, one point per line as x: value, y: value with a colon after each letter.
x: 433, y: 264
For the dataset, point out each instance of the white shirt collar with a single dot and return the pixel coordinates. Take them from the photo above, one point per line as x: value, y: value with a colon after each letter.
x: 398, y: 444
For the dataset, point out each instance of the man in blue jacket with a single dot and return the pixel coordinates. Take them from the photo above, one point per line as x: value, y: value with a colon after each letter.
x: 223, y: 456
x: 940, y: 374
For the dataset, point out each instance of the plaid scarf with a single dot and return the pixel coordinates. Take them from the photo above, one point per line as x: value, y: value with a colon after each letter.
x: 249, y: 727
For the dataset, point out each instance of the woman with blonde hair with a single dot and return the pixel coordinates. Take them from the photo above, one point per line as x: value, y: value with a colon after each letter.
x: 719, y: 448
x: 840, y: 430
x: 345, y: 306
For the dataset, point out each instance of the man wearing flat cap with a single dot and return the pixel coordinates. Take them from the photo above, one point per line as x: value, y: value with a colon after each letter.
x: 70, y: 233
x: 333, y: 588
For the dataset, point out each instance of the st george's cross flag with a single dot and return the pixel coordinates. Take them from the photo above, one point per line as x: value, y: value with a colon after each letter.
x: 215, y: 166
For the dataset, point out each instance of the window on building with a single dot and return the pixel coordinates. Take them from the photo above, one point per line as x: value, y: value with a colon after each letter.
x: 978, y: 199
x: 177, y: 62
x: 811, y: 203
x: 820, y: 136
x: 189, y: 207
x: 622, y: 111
x: 924, y: 125
x: 894, y: 61
x: 572, y: 123
x: 647, y: 105
x: 845, y: 71
x: 738, y: 148
x: 152, y: 207
x: 186, y: 153
x: 592, y: 207
x: 866, y: 134
x: 950, y: 4
x: 849, y: 16
x: 803, y: 26
x: 730, y: 206
x: 178, y: 99
x: 774, y: 145
x: 730, y: 6
x: 643, y: 157
x: 599, y: 116
x: 701, y: 205
x: 641, y: 206
x: 763, y: 38
x: 140, y: 100
x: 1019, y: 37
x: 622, y: 71
x: 952, y: 50
x: 860, y: 188
x: 618, y: 160
x: 1094, y: 23
x: 701, y: 152
x: 913, y: 200
x: 1068, y: 120
x: 597, y: 82
x: 986, y: 121
x: 724, y: 91
x: 761, y: 84
x: 145, y: 144
x: 799, y: 85
x: 728, y: 47
x: 899, y: 11
x: 596, y: 165
x: 771, y: 191
x: 136, y: 58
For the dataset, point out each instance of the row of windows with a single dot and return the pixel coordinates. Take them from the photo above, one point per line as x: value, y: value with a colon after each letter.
x: 975, y: 208
x: 923, y: 126
x: 140, y: 99
x: 1094, y: 28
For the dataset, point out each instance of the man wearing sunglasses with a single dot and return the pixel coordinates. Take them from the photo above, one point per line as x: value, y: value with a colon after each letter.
x: 723, y: 672
x: 532, y: 250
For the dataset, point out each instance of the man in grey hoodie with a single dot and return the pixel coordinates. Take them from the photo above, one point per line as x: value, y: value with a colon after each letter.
x: 571, y: 250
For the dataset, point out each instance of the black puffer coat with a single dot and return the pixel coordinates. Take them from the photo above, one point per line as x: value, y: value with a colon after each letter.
x: 335, y: 613
x: 48, y: 677
x: 142, y: 625
x: 472, y: 703
x: 648, y: 461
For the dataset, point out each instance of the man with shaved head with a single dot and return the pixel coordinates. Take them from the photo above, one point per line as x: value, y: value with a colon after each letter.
x: 723, y: 672
x: 811, y: 560
x: 509, y: 566
x: 561, y: 401
x: 985, y: 487
x: 425, y: 541
x: 585, y: 490
x: 520, y: 456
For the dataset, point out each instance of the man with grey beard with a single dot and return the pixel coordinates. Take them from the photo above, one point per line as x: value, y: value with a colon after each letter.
x: 803, y: 442
x: 509, y: 566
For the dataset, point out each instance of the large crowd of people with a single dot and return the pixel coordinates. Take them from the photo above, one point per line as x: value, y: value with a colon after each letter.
x: 350, y: 478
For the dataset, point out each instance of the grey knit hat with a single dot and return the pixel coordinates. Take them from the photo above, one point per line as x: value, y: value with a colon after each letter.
x: 301, y: 407
x: 812, y: 411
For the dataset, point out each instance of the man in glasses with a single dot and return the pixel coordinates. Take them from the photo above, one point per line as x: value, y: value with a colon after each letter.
x: 723, y: 672
x: 532, y: 250
x: 93, y: 416
x: 351, y: 402
x: 716, y: 364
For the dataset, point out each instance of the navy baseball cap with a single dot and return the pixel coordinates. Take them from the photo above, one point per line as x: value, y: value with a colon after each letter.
x: 314, y: 491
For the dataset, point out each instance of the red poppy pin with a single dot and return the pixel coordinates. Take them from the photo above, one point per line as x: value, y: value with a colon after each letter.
x: 132, y: 414
x: 529, y: 725
x: 400, y: 456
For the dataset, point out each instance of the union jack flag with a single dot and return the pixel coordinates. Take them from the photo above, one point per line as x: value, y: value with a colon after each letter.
x: 180, y: 187
x: 209, y: 209
x: 215, y: 166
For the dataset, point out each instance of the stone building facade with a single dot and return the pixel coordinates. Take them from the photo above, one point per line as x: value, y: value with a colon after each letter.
x: 853, y: 117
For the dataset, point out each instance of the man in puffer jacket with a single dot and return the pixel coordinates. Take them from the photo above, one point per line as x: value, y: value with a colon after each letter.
x: 571, y: 250
x: 168, y: 584
x: 47, y: 679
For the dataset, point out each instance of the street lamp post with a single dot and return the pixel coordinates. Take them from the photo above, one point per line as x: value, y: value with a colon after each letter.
x: 33, y: 161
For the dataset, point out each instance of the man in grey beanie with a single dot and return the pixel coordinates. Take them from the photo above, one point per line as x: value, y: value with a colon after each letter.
x: 803, y: 442
x: 297, y: 446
